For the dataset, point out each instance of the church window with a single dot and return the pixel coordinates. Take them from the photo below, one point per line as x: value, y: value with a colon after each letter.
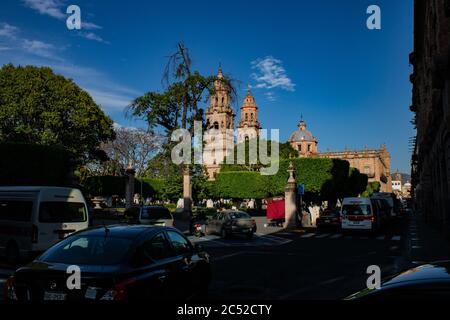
x: 216, y: 125
x: 309, y: 147
x: 251, y: 116
x: 217, y: 100
x: 223, y: 99
x: 300, y: 147
x: 246, y: 116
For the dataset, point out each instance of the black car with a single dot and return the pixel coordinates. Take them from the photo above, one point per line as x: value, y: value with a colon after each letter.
x: 425, y: 282
x: 329, y: 219
x: 116, y: 263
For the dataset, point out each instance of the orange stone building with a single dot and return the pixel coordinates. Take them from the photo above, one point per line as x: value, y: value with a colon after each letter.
x: 376, y: 163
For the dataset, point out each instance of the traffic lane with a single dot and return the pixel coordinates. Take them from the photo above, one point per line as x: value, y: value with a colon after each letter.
x: 303, y: 269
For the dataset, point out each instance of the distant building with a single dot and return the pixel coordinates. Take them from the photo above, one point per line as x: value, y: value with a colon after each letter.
x: 303, y: 141
x: 248, y: 126
x: 375, y: 163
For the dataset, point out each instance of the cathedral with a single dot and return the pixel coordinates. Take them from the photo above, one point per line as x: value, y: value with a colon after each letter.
x: 220, y: 116
x: 375, y: 163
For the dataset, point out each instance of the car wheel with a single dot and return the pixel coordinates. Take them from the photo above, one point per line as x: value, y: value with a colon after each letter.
x: 12, y: 254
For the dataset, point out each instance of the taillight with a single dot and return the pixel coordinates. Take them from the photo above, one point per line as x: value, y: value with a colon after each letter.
x: 119, y: 291
x: 9, y: 291
x: 34, y: 233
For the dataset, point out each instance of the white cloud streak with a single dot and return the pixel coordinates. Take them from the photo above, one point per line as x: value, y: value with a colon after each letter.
x: 270, y: 73
x: 8, y: 31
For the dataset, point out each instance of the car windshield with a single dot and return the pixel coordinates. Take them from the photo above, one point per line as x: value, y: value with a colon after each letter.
x: 88, y: 250
x: 239, y: 215
x: 356, y: 209
x: 155, y: 213
x: 62, y: 212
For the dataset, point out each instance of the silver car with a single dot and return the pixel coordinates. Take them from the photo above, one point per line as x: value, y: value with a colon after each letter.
x: 231, y: 222
x: 155, y: 215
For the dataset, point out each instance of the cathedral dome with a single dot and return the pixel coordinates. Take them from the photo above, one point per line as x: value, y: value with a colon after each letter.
x: 301, y: 134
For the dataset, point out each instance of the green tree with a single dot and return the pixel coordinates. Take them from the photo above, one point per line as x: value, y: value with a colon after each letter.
x: 40, y: 107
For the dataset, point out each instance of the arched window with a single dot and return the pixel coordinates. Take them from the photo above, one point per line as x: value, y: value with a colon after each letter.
x: 246, y: 116
x: 223, y: 99
x: 246, y: 139
x: 216, y: 125
x: 251, y: 116
x: 217, y: 100
x: 221, y: 125
x: 309, y: 147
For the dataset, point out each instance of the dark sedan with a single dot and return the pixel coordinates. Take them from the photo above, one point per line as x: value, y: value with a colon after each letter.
x: 116, y: 263
x: 329, y: 219
x: 426, y: 282
x: 231, y: 222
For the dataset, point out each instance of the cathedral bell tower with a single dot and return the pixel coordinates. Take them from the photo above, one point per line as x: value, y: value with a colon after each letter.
x: 219, y: 116
x: 248, y: 126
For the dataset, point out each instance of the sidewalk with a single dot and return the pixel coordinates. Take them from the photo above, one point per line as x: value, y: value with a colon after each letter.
x: 424, y: 242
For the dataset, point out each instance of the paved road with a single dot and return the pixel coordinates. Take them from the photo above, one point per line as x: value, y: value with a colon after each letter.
x: 307, y: 265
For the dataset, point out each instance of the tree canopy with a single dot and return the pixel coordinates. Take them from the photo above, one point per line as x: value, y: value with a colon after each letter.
x: 40, y: 107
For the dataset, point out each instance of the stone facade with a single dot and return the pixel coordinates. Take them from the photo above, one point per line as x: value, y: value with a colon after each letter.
x: 248, y: 126
x: 430, y: 162
x: 219, y: 116
x: 303, y: 141
x: 375, y: 163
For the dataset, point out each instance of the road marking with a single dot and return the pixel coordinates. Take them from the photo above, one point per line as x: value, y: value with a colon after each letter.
x: 416, y: 247
x: 308, y: 235
x: 380, y: 237
x: 396, y: 238
x: 415, y: 239
x: 323, y: 236
x: 336, y: 236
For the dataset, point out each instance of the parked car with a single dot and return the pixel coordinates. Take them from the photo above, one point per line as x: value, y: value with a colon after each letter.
x: 118, y: 262
x: 32, y: 219
x: 426, y: 282
x: 394, y: 203
x: 152, y: 215
x: 360, y: 214
x: 231, y: 222
x: 330, y: 218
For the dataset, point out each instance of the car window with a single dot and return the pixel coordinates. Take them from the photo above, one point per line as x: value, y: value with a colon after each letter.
x: 88, y: 250
x: 15, y: 210
x: 155, y: 213
x: 356, y: 209
x: 238, y: 215
x: 180, y: 244
x: 151, y: 251
x: 62, y: 212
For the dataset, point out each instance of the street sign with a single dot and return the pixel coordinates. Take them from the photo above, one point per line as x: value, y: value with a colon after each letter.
x: 301, y: 189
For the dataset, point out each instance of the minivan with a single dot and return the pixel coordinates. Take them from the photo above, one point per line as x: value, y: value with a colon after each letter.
x: 32, y: 219
x: 360, y: 214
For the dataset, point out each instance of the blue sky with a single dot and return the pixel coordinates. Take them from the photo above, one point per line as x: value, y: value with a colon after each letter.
x: 315, y: 58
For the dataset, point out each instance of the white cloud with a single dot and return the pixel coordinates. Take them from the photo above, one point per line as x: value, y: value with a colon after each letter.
x: 90, y: 26
x: 112, y: 101
x: 92, y: 36
x: 56, y: 9
x: 270, y: 96
x: 271, y: 74
x: 4, y: 48
x: 50, y: 8
x: 8, y: 31
x: 40, y: 48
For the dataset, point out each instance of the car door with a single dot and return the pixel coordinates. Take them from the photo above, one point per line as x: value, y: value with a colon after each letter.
x: 153, y: 268
x: 183, y: 264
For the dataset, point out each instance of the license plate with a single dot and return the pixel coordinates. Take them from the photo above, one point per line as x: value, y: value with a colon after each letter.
x: 355, y: 222
x: 54, y: 296
x: 91, y: 293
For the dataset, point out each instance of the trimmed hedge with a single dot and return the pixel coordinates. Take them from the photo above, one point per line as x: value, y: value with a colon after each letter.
x: 33, y: 164
x: 324, y: 179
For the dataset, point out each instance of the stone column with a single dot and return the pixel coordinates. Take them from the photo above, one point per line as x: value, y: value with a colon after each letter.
x: 129, y: 188
x: 290, y: 201
x: 187, y: 189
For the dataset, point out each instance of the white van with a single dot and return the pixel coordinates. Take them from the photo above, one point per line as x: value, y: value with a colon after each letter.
x: 359, y: 214
x: 34, y: 218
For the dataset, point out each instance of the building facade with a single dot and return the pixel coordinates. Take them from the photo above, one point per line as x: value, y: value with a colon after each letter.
x: 219, y: 117
x: 430, y: 163
x: 248, y: 126
x: 375, y: 163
